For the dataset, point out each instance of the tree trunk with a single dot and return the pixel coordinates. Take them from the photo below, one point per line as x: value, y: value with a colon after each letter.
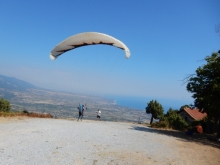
x: 151, y: 120
x: 218, y: 129
x: 208, y: 126
x: 215, y: 126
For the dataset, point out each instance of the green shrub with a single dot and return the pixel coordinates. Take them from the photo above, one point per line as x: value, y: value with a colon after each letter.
x: 174, y: 120
x: 179, y: 123
x: 160, y: 124
x: 5, y: 105
x: 25, y: 112
x: 163, y: 124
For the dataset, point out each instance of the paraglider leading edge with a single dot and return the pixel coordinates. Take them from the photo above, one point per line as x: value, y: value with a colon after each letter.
x: 87, y: 38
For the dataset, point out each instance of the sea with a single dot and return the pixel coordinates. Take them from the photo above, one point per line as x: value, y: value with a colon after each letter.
x: 140, y: 103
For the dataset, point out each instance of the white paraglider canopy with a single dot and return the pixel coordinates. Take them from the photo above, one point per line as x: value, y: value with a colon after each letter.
x: 84, y: 39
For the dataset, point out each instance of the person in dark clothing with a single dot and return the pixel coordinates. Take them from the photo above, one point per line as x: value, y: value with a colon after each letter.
x: 80, y: 108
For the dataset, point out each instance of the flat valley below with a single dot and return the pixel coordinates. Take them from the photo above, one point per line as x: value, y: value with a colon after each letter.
x: 64, y: 105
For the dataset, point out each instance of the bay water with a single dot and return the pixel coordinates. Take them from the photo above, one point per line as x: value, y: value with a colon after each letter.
x: 140, y: 103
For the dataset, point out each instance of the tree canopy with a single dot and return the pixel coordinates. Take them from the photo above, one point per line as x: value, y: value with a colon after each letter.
x: 4, y: 105
x: 205, y: 86
x: 155, y: 109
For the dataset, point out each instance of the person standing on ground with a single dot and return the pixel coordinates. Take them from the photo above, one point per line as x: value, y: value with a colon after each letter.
x: 83, y: 109
x: 80, y: 108
x: 98, y: 114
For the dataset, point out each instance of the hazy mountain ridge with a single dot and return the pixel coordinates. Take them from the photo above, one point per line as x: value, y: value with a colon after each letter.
x: 25, y: 96
x: 11, y: 83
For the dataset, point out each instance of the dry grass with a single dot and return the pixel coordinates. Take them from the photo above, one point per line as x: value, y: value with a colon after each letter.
x: 27, y: 114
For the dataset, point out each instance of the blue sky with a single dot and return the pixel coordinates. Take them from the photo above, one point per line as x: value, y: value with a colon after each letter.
x: 167, y: 39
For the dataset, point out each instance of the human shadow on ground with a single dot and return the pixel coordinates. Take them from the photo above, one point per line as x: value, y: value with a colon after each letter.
x: 181, y: 135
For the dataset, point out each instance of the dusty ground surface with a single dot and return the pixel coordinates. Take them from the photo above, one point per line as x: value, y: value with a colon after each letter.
x: 33, y: 141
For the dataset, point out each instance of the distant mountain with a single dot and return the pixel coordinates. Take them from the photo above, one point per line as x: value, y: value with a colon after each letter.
x: 10, y: 87
x: 11, y: 83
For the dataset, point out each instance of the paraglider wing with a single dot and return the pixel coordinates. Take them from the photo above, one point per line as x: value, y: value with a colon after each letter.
x: 84, y: 39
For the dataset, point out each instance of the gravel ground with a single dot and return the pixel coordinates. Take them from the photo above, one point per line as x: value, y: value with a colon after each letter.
x: 25, y: 141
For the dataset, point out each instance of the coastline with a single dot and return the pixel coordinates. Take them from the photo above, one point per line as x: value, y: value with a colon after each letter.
x: 139, y: 102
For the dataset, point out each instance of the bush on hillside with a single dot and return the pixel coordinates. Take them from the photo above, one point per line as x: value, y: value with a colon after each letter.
x: 4, y: 105
x: 173, y: 120
x: 160, y: 124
